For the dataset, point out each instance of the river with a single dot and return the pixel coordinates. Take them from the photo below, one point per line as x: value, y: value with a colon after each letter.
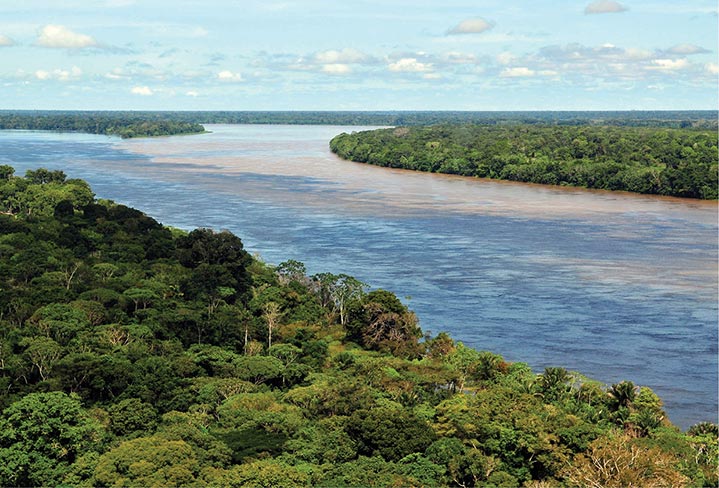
x: 613, y: 285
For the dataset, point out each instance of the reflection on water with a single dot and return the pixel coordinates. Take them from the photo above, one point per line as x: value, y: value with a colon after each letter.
x: 614, y: 285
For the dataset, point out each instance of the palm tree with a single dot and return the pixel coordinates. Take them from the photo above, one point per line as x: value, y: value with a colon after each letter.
x: 622, y: 394
x: 554, y: 383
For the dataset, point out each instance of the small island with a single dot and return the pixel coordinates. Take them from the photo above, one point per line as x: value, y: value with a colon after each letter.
x: 126, y: 125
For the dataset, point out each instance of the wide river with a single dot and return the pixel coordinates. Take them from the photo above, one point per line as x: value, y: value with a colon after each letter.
x: 613, y: 285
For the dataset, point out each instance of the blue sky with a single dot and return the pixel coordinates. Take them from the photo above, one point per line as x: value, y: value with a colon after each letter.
x: 358, y: 54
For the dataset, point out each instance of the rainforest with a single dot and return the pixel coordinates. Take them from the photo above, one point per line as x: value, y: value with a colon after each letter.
x: 137, y: 354
x: 653, y: 160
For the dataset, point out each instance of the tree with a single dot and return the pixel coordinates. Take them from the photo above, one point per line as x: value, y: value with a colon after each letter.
x: 272, y: 314
x: 345, y: 290
x: 381, y: 322
x: 392, y: 434
x: 619, y: 463
x: 554, y: 384
x: 266, y: 473
x: 291, y: 270
x: 132, y: 416
x: 42, y: 176
x: 41, y: 435
x: 148, y: 461
x: 204, y: 246
x: 43, y: 353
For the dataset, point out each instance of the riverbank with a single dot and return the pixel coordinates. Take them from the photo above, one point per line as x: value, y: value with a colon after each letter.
x: 649, y: 160
x: 531, y: 272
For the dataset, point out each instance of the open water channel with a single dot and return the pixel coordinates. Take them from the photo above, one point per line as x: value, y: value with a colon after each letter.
x: 613, y: 285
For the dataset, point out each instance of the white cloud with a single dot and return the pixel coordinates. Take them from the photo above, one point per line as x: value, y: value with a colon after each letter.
x: 5, y: 41
x: 345, y: 56
x: 505, y: 57
x: 116, y: 74
x: 686, y: 49
x: 141, y: 90
x: 192, y: 93
x: 58, y: 74
x: 518, y: 72
x: 454, y: 57
x: 712, y: 68
x: 604, y: 7
x: 410, y: 65
x: 58, y: 36
x: 669, y: 64
x: 471, y: 26
x: 432, y: 76
x: 336, y: 69
x: 227, y: 75
x: 634, y: 53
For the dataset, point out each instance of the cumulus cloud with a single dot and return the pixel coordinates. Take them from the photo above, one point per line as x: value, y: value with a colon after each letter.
x: 192, y: 93
x: 669, y: 64
x: 518, y: 72
x: 344, y: 56
x: 58, y: 74
x: 336, y: 69
x: 471, y: 26
x: 145, y: 91
x: 687, y: 49
x: 606, y: 62
x: 410, y: 65
x: 712, y: 68
x: 5, y: 41
x: 58, y: 36
x: 604, y: 7
x: 227, y: 75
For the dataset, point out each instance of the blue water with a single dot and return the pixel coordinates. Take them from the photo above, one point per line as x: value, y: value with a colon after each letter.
x: 614, y: 286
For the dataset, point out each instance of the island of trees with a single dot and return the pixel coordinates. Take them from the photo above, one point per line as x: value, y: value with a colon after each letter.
x: 654, y: 160
x: 132, y: 354
x: 124, y: 124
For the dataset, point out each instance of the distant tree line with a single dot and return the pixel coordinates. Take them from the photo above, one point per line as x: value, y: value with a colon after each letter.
x: 700, y: 119
x: 662, y: 161
x: 133, y: 354
x: 126, y: 125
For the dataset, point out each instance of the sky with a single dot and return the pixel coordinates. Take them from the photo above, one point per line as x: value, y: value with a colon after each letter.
x: 359, y: 55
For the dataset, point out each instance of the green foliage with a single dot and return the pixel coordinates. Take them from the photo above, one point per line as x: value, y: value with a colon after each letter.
x: 380, y: 321
x: 677, y: 162
x: 132, y: 416
x: 392, y: 434
x: 132, y: 355
x: 147, y: 461
x: 125, y: 125
x: 41, y: 435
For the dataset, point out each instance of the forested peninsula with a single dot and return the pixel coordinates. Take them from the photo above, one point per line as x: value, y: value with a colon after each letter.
x: 133, y: 354
x: 654, y: 160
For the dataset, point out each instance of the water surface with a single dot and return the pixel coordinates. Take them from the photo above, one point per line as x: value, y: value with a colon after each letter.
x: 614, y: 285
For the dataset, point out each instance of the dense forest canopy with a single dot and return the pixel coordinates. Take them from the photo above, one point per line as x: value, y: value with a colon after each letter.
x: 124, y: 124
x: 706, y: 119
x: 662, y: 161
x: 132, y: 354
